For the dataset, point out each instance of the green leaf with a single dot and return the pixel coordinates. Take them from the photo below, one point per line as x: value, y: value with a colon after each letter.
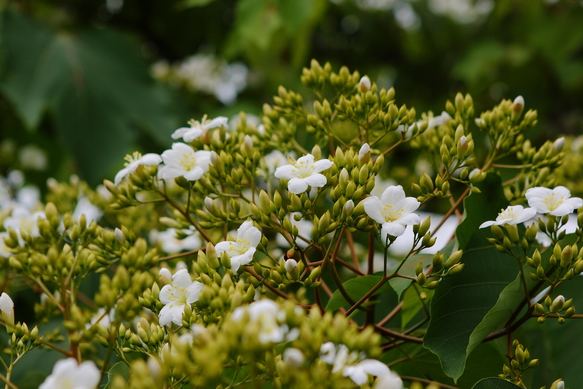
x: 494, y: 383
x: 119, y: 369
x: 36, y: 67
x: 461, y: 302
x: 95, y: 82
x: 558, y: 346
x: 356, y: 288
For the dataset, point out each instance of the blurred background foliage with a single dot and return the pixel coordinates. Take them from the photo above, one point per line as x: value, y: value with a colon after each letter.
x: 90, y: 81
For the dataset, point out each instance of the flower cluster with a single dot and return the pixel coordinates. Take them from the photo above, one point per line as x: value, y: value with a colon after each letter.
x: 556, y: 202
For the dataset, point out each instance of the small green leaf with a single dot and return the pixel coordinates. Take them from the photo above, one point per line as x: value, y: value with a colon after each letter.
x: 494, y: 383
x: 356, y: 288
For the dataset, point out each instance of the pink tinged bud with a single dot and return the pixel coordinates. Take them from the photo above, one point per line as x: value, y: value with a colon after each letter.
x: 559, y: 144
x: 364, y: 84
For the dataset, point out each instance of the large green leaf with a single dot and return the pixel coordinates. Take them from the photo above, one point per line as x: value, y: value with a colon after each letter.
x: 413, y: 360
x: 461, y: 302
x: 356, y: 288
x: 96, y: 84
x: 494, y: 383
x: 558, y: 346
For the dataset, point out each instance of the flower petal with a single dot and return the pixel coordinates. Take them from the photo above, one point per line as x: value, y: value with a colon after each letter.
x: 373, y: 208
x: 322, y: 165
x: 297, y: 185
x: 393, y: 229
x: 181, y: 279
x: 316, y: 180
x: 286, y: 172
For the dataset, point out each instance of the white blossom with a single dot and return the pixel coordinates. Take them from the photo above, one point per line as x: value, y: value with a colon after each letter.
x: 196, y: 129
x: 175, y: 297
x: 133, y: 162
x: 388, y: 381
x: 269, y: 319
x: 170, y: 243
x: 514, y: 214
x: 393, y: 211
x: 242, y: 249
x: 21, y: 220
x: 556, y: 202
x: 183, y: 161
x: 305, y: 172
x: 67, y: 374
x: 352, y: 364
x: 84, y: 207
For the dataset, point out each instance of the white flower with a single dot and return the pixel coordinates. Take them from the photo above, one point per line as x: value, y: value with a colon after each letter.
x: 67, y: 374
x: 133, y: 162
x: 303, y: 173
x: 241, y: 250
x: 175, y: 297
x: 196, y: 129
x: 393, y: 211
x: 21, y: 220
x: 388, y: 381
x: 514, y: 214
x: 350, y: 366
x: 268, y: 319
x: 170, y: 243
x: 84, y: 207
x: 359, y: 372
x: 183, y: 161
x: 33, y: 157
x: 556, y: 202
x: 7, y: 308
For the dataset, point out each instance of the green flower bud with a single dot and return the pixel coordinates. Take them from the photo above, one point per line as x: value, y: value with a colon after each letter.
x: 454, y: 259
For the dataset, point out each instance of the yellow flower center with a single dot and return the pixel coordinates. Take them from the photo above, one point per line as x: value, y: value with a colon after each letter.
x: 552, y: 202
x: 391, y: 213
x: 188, y: 161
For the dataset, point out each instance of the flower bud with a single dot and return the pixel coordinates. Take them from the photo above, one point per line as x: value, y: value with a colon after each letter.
x: 364, y: 154
x: 364, y: 84
x: 557, y: 303
x: 293, y: 357
x: 517, y: 107
x: 7, y: 308
x: 558, y: 144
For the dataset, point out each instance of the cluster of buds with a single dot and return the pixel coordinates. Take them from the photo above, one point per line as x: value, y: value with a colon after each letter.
x: 508, y: 236
x: 519, y: 363
x: 429, y: 278
x: 557, y: 307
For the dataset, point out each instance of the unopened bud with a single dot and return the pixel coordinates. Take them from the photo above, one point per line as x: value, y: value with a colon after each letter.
x: 364, y: 153
x: 558, y: 144
x: 119, y: 236
x: 364, y: 84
